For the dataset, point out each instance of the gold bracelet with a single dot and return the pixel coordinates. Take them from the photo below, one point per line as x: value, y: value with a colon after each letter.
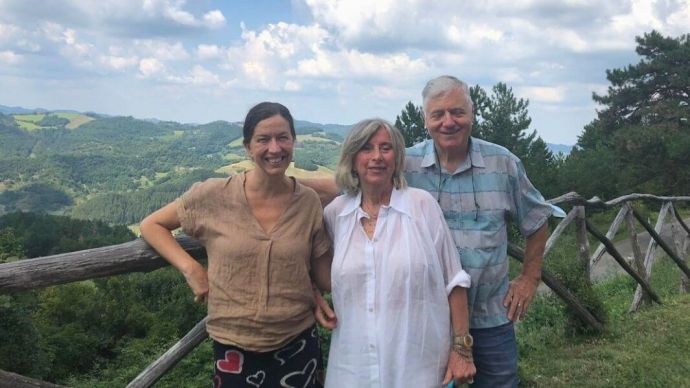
x: 464, y: 353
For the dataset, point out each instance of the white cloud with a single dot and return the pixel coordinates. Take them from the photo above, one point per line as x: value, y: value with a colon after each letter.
x: 551, y: 94
x: 173, y: 10
x: 208, y: 51
x: 150, y: 67
x: 162, y: 50
x: 292, y: 86
x: 642, y: 17
x: 10, y: 58
x: 679, y: 21
x: 120, y: 63
x: 353, y: 63
x: 214, y: 19
x: 264, y: 56
x: 28, y: 45
x: 202, y: 76
x: 7, y: 31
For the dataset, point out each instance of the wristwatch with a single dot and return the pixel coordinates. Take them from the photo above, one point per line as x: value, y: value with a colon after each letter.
x: 464, y: 341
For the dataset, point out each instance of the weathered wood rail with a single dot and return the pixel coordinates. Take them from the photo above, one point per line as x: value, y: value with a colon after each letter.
x: 137, y: 256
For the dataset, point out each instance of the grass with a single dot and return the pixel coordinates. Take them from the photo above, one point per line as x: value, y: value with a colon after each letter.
x: 235, y: 168
x: 29, y: 121
x: 648, y: 348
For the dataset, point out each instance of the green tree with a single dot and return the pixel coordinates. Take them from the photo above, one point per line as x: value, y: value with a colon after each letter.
x: 11, y: 247
x: 411, y: 123
x: 503, y: 119
x: 642, y: 132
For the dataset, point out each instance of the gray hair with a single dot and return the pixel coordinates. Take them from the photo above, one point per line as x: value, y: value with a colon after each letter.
x: 442, y: 85
x: 345, y: 175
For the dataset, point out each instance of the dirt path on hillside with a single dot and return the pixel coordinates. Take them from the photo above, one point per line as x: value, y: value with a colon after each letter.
x: 607, y: 266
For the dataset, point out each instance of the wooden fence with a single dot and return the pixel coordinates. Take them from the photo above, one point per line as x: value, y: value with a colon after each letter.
x: 137, y: 256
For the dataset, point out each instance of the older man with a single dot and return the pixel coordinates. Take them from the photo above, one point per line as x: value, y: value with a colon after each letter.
x: 480, y: 186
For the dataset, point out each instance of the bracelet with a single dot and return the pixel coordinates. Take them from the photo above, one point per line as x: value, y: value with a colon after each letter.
x: 463, y: 352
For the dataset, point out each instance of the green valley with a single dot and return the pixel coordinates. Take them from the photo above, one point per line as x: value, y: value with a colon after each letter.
x: 118, y: 169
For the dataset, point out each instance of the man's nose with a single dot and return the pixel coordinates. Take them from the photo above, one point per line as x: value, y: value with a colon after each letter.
x: 448, y: 119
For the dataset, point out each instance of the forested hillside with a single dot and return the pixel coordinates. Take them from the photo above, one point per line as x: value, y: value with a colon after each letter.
x: 97, y: 326
x: 103, y: 332
x: 118, y: 169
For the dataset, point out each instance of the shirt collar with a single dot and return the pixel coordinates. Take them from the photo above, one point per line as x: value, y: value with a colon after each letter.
x: 397, y: 202
x: 477, y: 159
x: 352, y: 202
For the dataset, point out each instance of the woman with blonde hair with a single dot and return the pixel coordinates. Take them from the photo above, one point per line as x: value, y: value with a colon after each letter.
x: 399, y: 291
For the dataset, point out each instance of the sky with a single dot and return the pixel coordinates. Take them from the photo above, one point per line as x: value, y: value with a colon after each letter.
x: 336, y: 61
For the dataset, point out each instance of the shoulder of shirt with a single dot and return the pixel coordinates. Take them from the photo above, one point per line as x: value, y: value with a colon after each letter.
x: 418, y: 149
x: 492, y: 149
x: 338, y: 203
x: 418, y: 195
x: 308, y: 193
x: 212, y: 183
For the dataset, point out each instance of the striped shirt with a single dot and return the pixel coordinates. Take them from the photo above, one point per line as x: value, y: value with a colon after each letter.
x: 489, y: 189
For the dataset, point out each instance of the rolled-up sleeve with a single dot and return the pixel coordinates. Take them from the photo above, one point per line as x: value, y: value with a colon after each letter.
x: 531, y: 209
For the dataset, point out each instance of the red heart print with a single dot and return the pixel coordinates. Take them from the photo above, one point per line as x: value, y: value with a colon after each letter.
x: 232, y: 363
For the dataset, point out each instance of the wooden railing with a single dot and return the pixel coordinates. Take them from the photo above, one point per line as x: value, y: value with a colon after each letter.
x: 137, y: 256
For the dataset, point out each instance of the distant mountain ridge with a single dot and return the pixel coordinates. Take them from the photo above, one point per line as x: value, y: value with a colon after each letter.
x: 18, y: 110
x: 559, y: 148
x: 339, y: 129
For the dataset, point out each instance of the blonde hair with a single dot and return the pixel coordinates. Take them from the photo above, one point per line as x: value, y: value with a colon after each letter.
x: 345, y: 176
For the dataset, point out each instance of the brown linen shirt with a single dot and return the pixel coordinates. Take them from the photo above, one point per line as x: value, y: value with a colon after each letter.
x: 260, y: 294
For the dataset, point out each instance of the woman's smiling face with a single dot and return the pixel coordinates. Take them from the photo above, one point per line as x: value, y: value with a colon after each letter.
x: 271, y: 145
x: 375, y: 162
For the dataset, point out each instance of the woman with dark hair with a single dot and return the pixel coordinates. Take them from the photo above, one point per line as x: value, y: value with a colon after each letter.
x: 262, y: 231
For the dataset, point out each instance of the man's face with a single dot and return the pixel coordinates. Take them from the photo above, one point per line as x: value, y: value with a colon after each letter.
x: 448, y: 118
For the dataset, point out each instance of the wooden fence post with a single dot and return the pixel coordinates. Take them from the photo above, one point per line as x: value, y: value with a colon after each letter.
x: 681, y: 238
x: 655, y: 235
x: 583, y: 241
x: 167, y: 361
x: 649, y: 258
x: 617, y: 256
x: 558, y: 231
x: 13, y: 380
x: 638, y: 260
x: 559, y: 289
x: 613, y: 229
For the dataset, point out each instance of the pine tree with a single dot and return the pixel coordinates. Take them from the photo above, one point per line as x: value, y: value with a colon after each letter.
x: 641, y: 137
x: 411, y: 123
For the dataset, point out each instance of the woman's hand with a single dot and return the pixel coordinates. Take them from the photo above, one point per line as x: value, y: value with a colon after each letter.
x: 197, y: 279
x: 323, y: 313
x: 460, y: 369
x: 156, y: 231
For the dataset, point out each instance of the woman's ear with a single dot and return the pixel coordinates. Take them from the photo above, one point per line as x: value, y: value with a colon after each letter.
x: 249, y: 153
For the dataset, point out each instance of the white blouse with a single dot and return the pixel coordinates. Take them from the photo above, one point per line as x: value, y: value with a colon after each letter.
x: 390, y: 293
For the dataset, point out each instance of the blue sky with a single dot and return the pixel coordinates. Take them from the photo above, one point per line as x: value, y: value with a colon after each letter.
x: 328, y: 61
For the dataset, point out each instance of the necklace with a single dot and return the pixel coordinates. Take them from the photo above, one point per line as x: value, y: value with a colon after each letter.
x: 372, y: 215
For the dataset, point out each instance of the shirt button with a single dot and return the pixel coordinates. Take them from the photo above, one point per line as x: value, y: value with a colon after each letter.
x: 371, y: 346
x: 371, y: 309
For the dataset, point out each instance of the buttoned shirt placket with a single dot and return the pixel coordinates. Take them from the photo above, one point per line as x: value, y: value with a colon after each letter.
x: 370, y: 251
